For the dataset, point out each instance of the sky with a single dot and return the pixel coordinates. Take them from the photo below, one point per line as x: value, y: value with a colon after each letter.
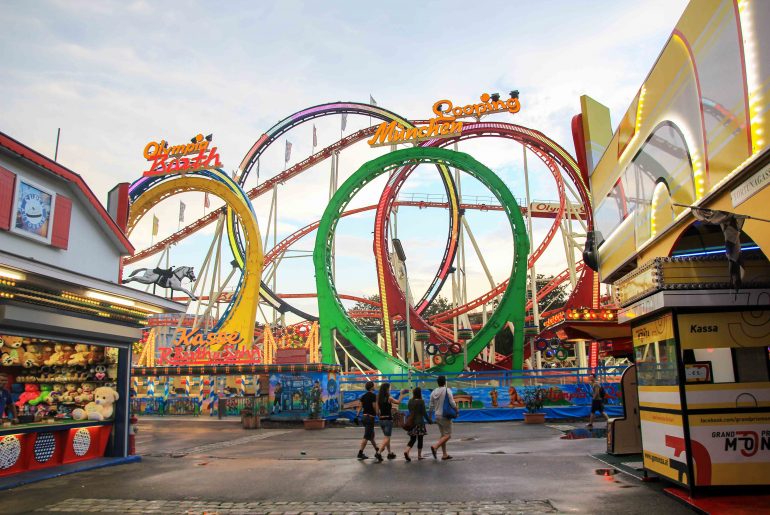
x: 116, y: 75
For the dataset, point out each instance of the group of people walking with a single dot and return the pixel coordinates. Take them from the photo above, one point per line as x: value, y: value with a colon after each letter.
x: 382, y: 405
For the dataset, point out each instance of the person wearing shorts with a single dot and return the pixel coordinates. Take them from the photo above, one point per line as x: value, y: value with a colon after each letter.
x: 437, y: 397
x: 597, y: 402
x: 367, y: 405
x: 385, y: 405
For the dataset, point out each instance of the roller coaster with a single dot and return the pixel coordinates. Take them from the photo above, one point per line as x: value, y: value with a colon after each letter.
x: 447, y: 341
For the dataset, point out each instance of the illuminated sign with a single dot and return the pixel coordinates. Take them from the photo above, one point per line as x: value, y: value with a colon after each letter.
x: 188, y: 337
x: 174, y: 159
x: 445, y: 124
x: 189, y: 355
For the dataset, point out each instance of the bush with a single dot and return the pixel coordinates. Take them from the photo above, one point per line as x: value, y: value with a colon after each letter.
x: 534, y: 399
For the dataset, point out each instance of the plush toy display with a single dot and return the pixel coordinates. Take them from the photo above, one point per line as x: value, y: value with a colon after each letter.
x: 70, y: 392
x: 85, y: 393
x: 102, y: 406
x: 31, y: 391
x: 56, y: 394
x: 80, y: 356
x: 10, y: 352
x: 45, y: 391
x: 33, y: 356
x: 57, y: 355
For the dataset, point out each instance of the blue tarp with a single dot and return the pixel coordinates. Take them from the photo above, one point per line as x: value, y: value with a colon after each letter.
x: 506, y: 414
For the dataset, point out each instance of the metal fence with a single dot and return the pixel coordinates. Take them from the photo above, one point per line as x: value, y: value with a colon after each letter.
x: 541, y: 377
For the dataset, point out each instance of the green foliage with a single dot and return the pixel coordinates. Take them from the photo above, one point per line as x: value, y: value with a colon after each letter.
x: 534, y: 398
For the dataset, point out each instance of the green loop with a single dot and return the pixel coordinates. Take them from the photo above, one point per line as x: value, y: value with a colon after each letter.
x: 332, y: 314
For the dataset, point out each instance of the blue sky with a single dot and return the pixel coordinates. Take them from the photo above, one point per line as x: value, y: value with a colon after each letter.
x: 115, y: 75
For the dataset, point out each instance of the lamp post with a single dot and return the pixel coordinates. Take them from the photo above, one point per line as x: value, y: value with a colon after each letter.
x: 402, y: 257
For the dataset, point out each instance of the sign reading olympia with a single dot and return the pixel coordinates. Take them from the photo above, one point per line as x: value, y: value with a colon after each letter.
x: 167, y: 160
x: 445, y: 124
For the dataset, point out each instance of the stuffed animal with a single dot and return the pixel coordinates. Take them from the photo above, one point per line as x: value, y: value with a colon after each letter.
x: 56, y: 356
x: 86, y: 393
x: 80, y: 356
x: 33, y: 356
x: 96, y: 354
x: 56, y: 394
x: 31, y: 391
x: 101, y: 408
x: 99, y: 372
x: 70, y: 392
x: 47, y: 352
x: 45, y: 391
x: 67, y: 352
x: 10, y: 351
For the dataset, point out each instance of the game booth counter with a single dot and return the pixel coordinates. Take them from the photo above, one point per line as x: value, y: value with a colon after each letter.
x: 222, y: 375
x: 66, y: 326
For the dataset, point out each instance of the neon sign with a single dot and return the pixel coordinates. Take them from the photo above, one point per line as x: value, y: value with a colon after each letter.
x: 228, y: 355
x: 167, y: 160
x: 445, y: 124
x: 196, y: 338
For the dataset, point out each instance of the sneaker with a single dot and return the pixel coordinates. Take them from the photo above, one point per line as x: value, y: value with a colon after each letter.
x: 378, y: 457
x: 391, y: 455
x: 362, y: 456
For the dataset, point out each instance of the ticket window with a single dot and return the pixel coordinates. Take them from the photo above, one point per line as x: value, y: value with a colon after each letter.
x: 732, y: 364
x: 656, y: 363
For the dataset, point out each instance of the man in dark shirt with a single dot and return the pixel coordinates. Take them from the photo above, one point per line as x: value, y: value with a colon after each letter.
x: 6, y: 402
x: 367, y: 405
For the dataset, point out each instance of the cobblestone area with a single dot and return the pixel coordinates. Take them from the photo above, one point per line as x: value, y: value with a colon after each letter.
x: 299, y: 508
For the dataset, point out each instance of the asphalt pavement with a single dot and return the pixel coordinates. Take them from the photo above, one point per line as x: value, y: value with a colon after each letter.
x: 209, y: 466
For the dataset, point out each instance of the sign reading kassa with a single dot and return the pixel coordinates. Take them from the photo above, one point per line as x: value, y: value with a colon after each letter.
x: 445, y: 124
x: 167, y: 159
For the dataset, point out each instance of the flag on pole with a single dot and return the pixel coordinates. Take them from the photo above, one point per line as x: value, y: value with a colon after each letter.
x: 315, y: 137
x: 182, y: 207
x: 155, y: 225
x: 288, y: 151
x: 344, y: 120
x: 206, y: 202
x: 372, y: 100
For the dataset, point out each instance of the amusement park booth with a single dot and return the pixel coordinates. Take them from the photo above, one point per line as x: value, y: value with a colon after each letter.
x: 681, y: 208
x: 66, y: 325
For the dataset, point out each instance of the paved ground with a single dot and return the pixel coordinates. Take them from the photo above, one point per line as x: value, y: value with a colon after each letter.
x: 202, y: 466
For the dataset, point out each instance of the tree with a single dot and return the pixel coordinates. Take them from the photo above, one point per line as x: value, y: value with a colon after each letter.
x: 439, y: 305
x: 368, y: 323
x: 554, y: 299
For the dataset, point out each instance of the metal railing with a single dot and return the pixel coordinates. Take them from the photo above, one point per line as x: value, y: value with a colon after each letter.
x: 540, y: 377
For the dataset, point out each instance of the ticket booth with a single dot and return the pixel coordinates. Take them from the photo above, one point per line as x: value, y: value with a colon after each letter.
x: 704, y: 386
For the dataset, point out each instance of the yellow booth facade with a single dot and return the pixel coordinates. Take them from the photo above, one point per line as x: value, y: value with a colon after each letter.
x: 682, y: 232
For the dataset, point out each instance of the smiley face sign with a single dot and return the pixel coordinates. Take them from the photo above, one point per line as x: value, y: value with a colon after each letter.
x: 33, y: 210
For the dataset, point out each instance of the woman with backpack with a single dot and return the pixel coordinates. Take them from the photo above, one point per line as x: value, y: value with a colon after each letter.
x: 418, y: 416
x: 385, y: 405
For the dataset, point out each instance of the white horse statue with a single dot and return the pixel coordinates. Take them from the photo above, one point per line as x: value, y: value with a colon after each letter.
x: 165, y: 278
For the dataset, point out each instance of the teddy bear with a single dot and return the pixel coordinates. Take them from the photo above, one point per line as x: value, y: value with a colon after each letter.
x: 85, y: 393
x: 101, y: 408
x: 95, y: 354
x: 31, y: 391
x: 33, y: 356
x: 70, y: 392
x: 10, y: 351
x: 56, y: 394
x: 56, y: 356
x: 47, y: 352
x: 80, y: 356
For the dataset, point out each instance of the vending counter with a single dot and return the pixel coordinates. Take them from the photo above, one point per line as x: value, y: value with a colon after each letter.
x: 704, y: 391
x: 35, y: 446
